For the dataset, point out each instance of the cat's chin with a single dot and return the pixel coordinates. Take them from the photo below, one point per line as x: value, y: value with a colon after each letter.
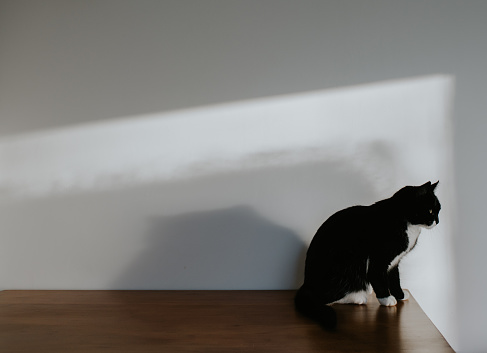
x: 428, y: 227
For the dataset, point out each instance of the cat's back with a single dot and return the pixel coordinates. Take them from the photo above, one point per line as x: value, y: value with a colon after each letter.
x: 351, y: 217
x: 345, y: 225
x: 359, y: 226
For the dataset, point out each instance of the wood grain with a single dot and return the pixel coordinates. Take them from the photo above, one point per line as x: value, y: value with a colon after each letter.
x: 203, y: 321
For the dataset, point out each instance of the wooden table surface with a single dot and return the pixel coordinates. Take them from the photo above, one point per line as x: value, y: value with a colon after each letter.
x: 203, y: 321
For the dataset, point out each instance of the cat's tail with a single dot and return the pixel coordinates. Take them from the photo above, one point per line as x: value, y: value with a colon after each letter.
x: 308, y: 302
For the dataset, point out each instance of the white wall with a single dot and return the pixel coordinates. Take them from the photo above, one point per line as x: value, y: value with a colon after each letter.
x: 64, y: 63
x: 258, y: 179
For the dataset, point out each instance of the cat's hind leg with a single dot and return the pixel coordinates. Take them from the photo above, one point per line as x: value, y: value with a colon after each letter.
x: 356, y: 285
x: 359, y: 297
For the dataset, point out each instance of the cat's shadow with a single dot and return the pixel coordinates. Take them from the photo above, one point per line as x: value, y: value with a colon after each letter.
x: 231, y: 248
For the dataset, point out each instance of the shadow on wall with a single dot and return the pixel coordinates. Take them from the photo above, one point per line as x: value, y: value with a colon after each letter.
x: 241, y: 230
x: 233, y: 248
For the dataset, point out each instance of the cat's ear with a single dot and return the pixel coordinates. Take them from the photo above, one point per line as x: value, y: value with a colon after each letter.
x: 433, y: 187
x: 423, y: 189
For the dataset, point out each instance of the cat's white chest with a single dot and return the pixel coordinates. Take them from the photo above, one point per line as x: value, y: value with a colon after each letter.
x: 412, y: 232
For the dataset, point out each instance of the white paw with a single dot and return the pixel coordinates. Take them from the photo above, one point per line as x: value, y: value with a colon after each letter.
x: 387, y: 301
x: 406, y: 295
x: 354, y: 298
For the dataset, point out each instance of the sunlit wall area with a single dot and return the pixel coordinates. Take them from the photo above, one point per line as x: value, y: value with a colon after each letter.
x: 362, y: 125
x: 227, y: 196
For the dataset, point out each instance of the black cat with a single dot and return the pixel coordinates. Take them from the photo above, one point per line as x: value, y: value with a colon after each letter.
x: 360, y: 247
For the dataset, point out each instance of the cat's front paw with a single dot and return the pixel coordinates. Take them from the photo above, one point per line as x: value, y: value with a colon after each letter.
x: 400, y: 295
x: 387, y: 301
x: 406, y: 295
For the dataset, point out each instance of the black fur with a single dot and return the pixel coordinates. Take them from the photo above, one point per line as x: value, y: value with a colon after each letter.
x: 355, y: 246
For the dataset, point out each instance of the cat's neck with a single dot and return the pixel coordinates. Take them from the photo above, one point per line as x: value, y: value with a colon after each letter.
x: 392, y: 209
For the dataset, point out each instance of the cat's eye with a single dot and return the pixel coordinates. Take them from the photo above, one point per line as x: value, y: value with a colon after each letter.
x: 431, y: 211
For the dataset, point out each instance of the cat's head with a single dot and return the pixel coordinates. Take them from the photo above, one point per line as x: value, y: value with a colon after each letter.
x: 421, y: 204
